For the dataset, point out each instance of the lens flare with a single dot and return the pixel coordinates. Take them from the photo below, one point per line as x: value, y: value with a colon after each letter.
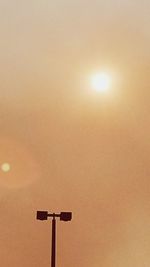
x: 5, y: 167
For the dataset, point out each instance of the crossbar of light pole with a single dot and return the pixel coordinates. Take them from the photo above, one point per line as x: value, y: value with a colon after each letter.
x: 64, y: 216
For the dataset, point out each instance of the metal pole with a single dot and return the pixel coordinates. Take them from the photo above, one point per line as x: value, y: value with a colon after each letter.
x: 53, y: 254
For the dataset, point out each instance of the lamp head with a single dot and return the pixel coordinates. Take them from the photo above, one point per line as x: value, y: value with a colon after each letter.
x: 65, y: 216
x: 41, y: 215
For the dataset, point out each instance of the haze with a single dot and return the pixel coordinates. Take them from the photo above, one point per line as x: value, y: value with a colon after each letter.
x: 69, y: 148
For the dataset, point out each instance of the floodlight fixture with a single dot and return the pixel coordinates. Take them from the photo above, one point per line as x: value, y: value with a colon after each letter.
x: 65, y: 216
x: 41, y: 215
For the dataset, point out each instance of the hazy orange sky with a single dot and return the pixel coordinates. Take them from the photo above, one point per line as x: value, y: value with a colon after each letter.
x: 70, y: 148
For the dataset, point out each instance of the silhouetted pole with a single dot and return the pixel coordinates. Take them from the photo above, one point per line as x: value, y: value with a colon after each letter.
x: 64, y: 216
x: 53, y: 252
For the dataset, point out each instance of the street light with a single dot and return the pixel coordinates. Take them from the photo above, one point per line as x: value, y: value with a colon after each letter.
x: 64, y: 216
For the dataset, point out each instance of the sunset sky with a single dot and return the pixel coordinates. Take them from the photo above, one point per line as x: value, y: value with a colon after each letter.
x: 67, y: 147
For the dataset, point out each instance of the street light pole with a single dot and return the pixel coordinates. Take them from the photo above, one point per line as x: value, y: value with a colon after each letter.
x: 64, y: 216
x: 53, y: 252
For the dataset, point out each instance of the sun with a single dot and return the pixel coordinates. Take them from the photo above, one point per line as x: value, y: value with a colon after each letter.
x: 101, y: 81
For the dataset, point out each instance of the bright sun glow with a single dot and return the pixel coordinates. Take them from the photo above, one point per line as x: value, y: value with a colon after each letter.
x: 5, y: 167
x: 101, y: 82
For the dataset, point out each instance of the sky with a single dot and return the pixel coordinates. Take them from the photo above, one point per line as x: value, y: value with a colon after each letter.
x: 69, y: 147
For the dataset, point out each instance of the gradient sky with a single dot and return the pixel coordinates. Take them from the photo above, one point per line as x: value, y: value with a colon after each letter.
x: 70, y: 148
